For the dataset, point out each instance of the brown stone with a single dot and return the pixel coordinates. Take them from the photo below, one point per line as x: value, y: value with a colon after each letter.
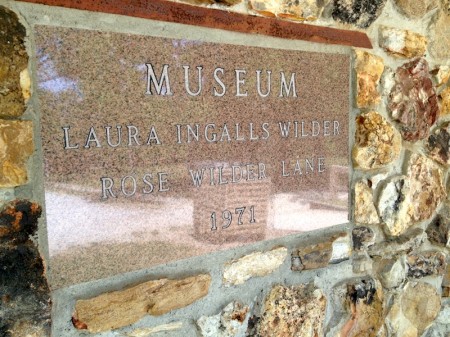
x: 425, y: 264
x: 13, y: 59
x: 121, y: 308
x: 391, y: 272
x: 365, y: 211
x: 16, y: 139
x: 362, y: 237
x: 402, y: 43
x: 377, y: 142
x: 438, y: 231
x: 369, y: 69
x: 416, y: 9
x: 446, y: 282
x: 293, y: 311
x: 445, y: 101
x: 440, y: 32
x: 316, y: 255
x: 412, y: 101
x: 365, y: 304
x: 438, y: 144
x: 163, y: 10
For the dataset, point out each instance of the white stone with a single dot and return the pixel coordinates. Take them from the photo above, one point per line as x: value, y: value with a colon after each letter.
x: 342, y: 249
x: 231, y: 322
x: 391, y: 205
x: 255, y: 264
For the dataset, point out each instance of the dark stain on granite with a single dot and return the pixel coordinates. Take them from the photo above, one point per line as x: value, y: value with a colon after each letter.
x: 24, y: 293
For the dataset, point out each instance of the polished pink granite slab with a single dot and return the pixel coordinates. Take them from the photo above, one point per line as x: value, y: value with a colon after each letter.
x: 159, y: 149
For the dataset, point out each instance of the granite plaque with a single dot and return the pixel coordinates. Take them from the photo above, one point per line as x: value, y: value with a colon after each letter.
x: 158, y: 149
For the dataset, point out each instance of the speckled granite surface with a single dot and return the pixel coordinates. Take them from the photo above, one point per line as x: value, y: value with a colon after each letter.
x: 124, y: 152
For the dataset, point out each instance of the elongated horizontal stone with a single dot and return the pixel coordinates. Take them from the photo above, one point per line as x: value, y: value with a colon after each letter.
x: 121, y: 308
x: 146, y: 332
x: 332, y: 249
x: 252, y: 265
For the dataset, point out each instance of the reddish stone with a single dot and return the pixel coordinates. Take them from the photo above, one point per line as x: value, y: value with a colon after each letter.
x: 211, y: 18
x: 412, y: 101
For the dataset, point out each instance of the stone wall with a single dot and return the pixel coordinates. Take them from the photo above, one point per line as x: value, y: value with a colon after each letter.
x: 386, y: 273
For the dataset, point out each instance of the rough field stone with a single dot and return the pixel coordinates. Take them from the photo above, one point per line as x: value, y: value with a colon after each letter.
x: 412, y: 101
x: 293, y: 311
x: 361, y: 13
x: 377, y: 142
x: 402, y: 43
x: 369, y: 69
x: 416, y: 9
x: 13, y: 60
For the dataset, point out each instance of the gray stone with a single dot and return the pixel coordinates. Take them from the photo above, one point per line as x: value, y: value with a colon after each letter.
x: 426, y: 264
x: 438, y: 144
x: 361, y: 13
x: 411, y: 240
x: 391, y: 272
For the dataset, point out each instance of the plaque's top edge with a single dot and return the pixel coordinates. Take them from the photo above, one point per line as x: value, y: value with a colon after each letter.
x: 167, y: 11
